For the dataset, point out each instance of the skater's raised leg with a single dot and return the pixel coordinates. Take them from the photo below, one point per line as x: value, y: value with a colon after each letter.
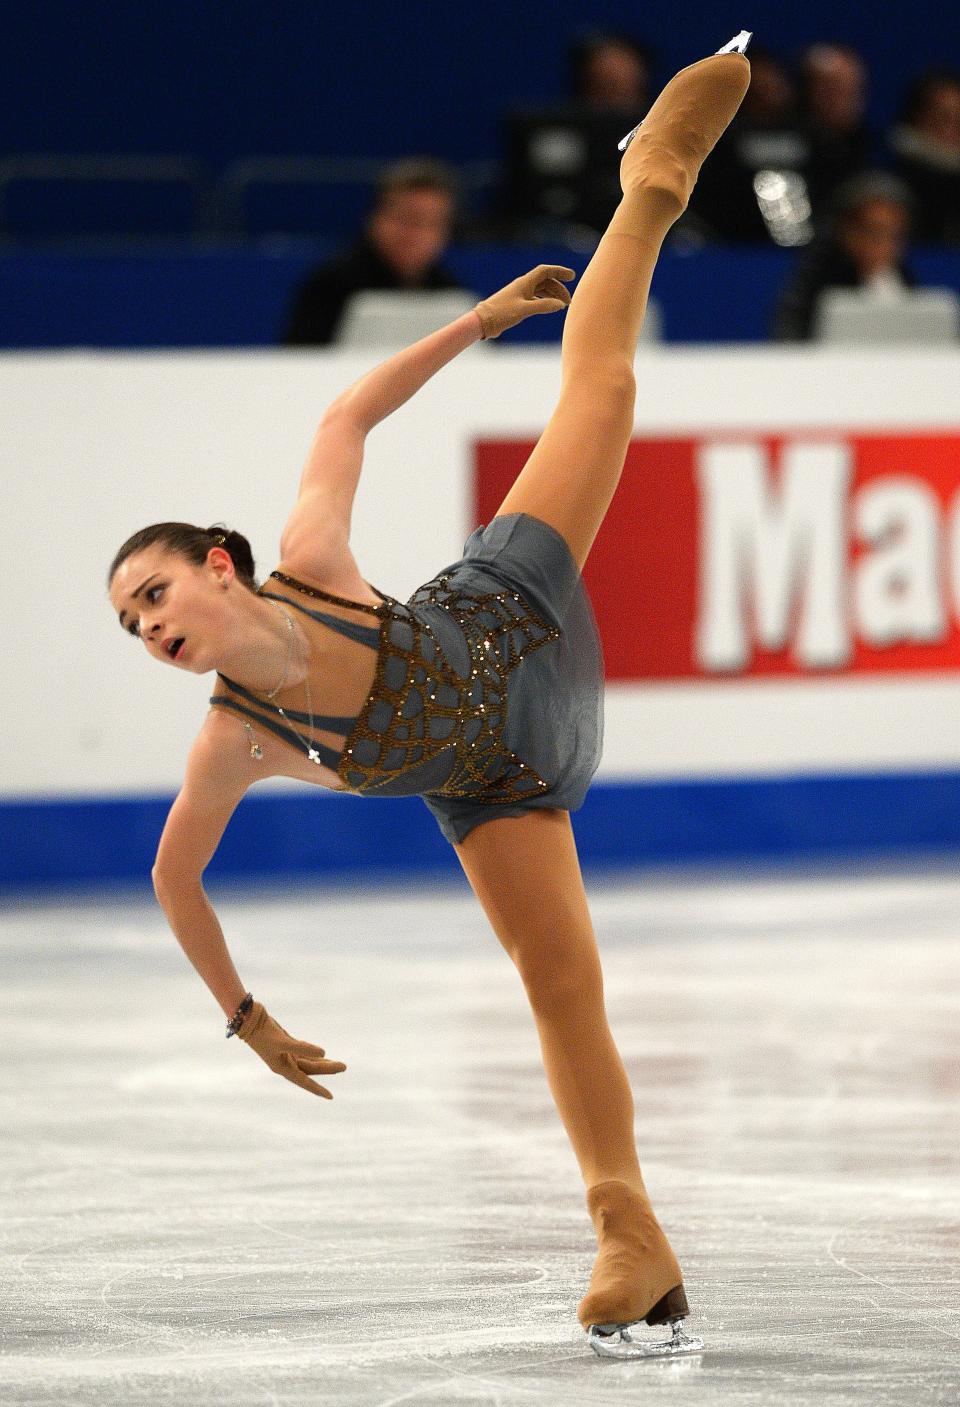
x: 572, y: 474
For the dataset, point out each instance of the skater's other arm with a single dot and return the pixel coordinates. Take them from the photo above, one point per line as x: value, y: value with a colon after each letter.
x: 212, y: 788
x: 320, y: 523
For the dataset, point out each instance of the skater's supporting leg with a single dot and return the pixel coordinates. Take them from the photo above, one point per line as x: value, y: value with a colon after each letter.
x: 573, y: 472
x: 525, y: 872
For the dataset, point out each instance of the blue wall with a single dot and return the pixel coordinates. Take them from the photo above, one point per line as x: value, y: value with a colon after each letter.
x: 52, y: 844
x: 240, y: 296
x: 226, y: 79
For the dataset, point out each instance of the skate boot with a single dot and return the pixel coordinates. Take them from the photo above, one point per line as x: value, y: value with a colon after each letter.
x: 665, y: 151
x: 636, y: 1279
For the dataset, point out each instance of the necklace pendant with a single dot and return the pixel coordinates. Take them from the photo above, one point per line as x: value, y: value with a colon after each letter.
x: 256, y: 751
x: 314, y: 756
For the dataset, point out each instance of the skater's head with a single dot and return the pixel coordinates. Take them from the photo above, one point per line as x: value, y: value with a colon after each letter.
x: 610, y: 70
x: 173, y: 586
x: 412, y: 219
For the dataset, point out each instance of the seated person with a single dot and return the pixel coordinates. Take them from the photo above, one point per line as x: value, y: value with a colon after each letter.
x: 833, y: 106
x: 926, y: 152
x: 863, y: 248
x: 400, y: 247
x: 562, y: 174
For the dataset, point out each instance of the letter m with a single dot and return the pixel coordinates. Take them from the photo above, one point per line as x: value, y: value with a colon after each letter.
x: 772, y: 558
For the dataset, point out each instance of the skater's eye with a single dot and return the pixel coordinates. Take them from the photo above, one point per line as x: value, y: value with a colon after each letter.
x: 151, y: 595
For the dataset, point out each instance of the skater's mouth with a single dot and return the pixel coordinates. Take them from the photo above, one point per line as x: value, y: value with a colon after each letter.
x: 174, y: 647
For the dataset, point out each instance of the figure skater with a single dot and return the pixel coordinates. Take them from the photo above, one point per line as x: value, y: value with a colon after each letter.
x: 482, y: 693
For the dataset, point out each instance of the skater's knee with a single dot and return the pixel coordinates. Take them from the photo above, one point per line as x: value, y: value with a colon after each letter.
x: 607, y: 385
x: 558, y: 983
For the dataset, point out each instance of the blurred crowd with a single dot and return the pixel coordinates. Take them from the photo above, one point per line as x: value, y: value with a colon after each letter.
x: 800, y: 168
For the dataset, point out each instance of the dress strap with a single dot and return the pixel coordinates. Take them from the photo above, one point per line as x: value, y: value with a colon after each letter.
x: 368, y: 635
x: 320, y: 595
x: 328, y: 722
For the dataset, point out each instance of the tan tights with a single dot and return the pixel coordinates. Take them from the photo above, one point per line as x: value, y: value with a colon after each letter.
x: 525, y: 872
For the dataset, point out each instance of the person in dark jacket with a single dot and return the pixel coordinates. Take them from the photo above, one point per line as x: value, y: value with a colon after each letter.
x: 400, y: 247
x: 926, y: 150
x: 863, y: 248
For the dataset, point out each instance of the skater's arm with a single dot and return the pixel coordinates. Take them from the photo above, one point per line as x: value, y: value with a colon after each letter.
x: 319, y: 526
x: 212, y: 789
x: 388, y: 386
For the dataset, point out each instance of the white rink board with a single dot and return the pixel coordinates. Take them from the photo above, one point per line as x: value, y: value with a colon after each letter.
x: 95, y: 445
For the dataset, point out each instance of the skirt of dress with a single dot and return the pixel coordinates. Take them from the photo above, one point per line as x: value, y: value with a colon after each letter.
x: 555, y: 697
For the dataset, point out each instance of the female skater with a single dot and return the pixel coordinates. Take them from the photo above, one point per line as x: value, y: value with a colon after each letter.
x: 482, y: 693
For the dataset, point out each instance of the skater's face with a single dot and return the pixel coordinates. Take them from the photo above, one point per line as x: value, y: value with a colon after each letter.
x: 179, y: 610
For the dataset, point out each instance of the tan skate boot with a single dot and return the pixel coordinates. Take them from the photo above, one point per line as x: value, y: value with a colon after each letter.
x: 666, y: 150
x: 636, y: 1278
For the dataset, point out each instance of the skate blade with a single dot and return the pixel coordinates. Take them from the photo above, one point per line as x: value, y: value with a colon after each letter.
x: 738, y: 45
x: 618, y: 1341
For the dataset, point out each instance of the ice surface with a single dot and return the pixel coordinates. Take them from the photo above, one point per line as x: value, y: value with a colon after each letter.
x: 181, y: 1226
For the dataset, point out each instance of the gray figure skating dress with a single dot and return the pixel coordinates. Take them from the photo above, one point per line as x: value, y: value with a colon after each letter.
x: 487, y: 698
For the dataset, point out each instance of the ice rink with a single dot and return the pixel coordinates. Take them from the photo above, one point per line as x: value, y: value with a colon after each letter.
x: 181, y: 1226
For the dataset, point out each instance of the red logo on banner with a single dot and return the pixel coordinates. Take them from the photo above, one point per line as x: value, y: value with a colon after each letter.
x: 755, y: 555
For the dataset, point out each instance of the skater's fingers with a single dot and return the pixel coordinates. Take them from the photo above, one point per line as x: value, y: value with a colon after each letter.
x: 292, y: 1072
x: 321, y: 1067
x: 558, y: 271
x: 312, y: 1052
x: 553, y: 288
x: 547, y: 305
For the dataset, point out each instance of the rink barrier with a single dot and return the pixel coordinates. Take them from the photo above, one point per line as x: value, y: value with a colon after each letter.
x: 49, y: 845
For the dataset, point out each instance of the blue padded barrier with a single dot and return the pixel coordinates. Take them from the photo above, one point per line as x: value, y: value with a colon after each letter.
x: 52, y: 844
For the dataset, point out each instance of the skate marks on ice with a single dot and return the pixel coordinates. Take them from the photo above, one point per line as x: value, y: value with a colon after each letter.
x: 179, y: 1226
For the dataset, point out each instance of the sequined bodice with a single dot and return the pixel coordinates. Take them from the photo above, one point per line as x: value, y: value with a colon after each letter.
x: 434, y: 720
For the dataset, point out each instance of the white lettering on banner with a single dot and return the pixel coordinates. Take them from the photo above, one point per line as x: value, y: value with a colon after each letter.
x: 897, y: 586
x: 954, y: 540
x: 782, y: 549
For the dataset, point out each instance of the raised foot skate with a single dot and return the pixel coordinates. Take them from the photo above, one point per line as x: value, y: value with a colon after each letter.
x: 738, y: 45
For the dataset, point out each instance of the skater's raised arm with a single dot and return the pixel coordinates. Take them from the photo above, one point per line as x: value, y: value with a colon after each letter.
x: 329, y: 481
x: 389, y: 385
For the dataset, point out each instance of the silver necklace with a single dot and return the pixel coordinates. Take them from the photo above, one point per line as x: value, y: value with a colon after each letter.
x: 256, y: 751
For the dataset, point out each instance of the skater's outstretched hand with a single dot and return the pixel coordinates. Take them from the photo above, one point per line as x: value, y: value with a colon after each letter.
x: 294, y: 1060
x: 539, y: 291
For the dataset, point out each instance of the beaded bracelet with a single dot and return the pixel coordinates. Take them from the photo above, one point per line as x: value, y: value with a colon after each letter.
x: 236, y: 1020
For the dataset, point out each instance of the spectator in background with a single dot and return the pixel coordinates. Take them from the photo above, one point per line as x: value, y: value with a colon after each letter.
x: 562, y: 169
x: 611, y: 70
x: 926, y: 151
x: 400, y: 247
x: 864, y: 248
x: 764, y: 136
x: 833, y: 107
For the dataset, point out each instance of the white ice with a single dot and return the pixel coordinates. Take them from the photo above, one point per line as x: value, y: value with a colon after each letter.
x: 180, y: 1226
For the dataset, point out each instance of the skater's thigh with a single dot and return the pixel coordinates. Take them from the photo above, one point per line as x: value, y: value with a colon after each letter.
x: 573, y: 472
x: 526, y: 874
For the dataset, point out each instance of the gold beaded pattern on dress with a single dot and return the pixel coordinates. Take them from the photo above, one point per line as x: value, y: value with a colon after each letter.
x: 419, y: 705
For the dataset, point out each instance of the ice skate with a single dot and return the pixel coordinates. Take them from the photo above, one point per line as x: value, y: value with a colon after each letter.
x: 666, y: 150
x: 636, y: 1280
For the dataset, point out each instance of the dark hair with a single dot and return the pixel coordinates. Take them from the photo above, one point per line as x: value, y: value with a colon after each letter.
x: 591, y: 41
x: 192, y: 543
x: 416, y: 173
x: 855, y: 192
x: 921, y: 90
